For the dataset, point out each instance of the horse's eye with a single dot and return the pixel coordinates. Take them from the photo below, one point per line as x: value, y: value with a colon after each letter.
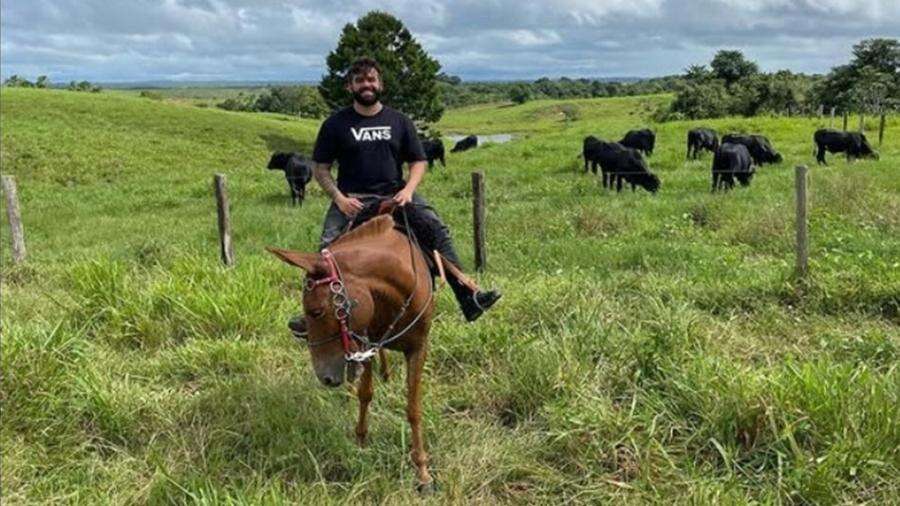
x: 316, y: 313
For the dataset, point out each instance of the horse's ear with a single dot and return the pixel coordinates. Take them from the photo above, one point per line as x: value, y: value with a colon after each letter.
x: 305, y: 261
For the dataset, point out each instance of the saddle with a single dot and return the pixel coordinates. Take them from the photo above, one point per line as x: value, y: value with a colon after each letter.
x: 422, y: 228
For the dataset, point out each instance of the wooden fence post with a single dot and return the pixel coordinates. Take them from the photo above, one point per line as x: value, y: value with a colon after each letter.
x: 226, y: 248
x: 831, y: 125
x: 881, y: 130
x: 17, y: 233
x: 862, y: 122
x: 800, y: 181
x: 845, y: 121
x: 478, y: 218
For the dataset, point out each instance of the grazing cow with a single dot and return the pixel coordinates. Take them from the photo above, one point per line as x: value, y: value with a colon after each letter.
x: 641, y: 140
x: 731, y: 161
x: 618, y: 164
x: 464, y: 144
x: 854, y: 144
x: 434, y: 150
x: 761, y: 150
x: 699, y: 139
x: 297, y: 171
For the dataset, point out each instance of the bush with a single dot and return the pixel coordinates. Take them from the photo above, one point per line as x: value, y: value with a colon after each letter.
x: 570, y: 112
x: 240, y: 103
x: 293, y: 100
x: 83, y: 86
x: 702, y: 100
x: 18, y: 82
x: 520, y: 94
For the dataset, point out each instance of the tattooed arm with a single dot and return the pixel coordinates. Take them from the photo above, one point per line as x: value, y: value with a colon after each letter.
x: 348, y: 206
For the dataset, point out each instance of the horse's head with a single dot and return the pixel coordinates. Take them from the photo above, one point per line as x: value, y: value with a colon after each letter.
x: 321, y: 306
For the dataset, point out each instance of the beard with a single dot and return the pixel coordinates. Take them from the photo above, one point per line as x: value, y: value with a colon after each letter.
x: 364, y: 99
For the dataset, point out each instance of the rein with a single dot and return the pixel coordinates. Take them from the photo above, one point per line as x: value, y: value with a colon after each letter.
x: 343, y: 306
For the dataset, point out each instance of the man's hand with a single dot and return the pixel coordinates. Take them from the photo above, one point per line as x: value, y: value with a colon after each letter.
x: 403, y: 196
x: 348, y: 205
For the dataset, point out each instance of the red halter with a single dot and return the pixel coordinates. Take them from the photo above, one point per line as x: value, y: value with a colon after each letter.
x: 339, y: 298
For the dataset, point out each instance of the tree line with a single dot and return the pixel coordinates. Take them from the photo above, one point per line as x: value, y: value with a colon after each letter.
x: 733, y: 85
x: 15, y: 81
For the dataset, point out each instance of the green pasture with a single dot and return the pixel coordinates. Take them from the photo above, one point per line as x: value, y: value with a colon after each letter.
x: 647, y: 348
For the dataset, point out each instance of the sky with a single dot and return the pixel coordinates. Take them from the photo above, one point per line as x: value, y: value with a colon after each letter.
x: 242, y: 40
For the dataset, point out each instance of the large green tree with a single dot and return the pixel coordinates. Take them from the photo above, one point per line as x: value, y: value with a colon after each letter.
x: 731, y: 66
x: 871, y: 81
x: 409, y: 74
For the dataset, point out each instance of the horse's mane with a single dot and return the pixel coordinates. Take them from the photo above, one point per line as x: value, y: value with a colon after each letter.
x: 372, y: 228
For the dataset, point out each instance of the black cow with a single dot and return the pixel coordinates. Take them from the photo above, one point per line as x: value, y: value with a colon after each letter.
x: 641, y: 140
x: 434, y: 150
x: 854, y: 144
x: 464, y: 144
x: 731, y: 161
x: 699, y: 139
x: 618, y: 164
x: 297, y: 171
x: 761, y: 150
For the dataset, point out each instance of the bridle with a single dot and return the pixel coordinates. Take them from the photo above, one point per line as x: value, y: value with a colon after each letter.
x: 343, y: 307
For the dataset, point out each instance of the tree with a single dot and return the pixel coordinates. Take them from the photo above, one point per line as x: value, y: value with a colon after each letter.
x: 451, y: 80
x: 748, y: 95
x: 293, y: 100
x: 786, y: 91
x: 731, y: 66
x: 883, y: 55
x: 876, y: 62
x: 15, y: 81
x: 409, y: 75
x: 701, y: 100
x: 697, y: 73
x: 42, y: 82
x: 520, y: 93
x: 872, y: 91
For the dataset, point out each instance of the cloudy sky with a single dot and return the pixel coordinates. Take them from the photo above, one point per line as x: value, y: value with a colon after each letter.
x: 117, y: 40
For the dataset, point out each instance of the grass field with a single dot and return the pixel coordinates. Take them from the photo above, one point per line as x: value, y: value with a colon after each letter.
x: 647, y: 348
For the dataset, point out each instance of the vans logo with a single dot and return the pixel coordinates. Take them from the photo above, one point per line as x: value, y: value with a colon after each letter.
x: 378, y: 133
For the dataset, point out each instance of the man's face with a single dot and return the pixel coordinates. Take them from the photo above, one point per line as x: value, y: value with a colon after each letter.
x: 365, y: 87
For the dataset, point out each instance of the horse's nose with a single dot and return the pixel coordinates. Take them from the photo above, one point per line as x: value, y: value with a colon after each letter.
x: 331, y: 381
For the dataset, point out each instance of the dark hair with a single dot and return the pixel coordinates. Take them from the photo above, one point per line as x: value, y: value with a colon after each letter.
x: 362, y: 66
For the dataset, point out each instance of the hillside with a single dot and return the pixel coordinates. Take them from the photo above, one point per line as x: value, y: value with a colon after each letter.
x: 647, y: 348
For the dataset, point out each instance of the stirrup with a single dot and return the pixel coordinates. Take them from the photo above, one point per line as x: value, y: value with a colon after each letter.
x: 475, y: 301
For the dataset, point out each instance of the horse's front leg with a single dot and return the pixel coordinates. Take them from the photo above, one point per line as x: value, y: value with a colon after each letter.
x: 415, y: 361
x: 364, y: 393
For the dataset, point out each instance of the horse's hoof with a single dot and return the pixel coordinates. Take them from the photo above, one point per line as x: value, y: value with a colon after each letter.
x: 426, y: 488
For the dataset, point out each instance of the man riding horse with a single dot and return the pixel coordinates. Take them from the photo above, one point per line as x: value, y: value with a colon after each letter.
x: 370, y: 142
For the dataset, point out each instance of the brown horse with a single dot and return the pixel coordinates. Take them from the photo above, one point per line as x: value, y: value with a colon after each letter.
x: 371, y: 284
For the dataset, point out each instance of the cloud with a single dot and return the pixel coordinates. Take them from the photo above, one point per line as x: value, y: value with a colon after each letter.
x: 104, y: 40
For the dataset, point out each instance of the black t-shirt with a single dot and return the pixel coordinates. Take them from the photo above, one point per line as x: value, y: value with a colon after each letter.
x: 370, y: 150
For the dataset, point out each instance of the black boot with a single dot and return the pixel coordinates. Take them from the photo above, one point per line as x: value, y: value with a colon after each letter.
x: 297, y: 324
x: 472, y: 304
x: 478, y: 303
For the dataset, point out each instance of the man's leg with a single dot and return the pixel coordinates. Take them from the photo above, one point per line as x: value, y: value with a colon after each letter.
x: 335, y: 223
x: 473, y: 304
